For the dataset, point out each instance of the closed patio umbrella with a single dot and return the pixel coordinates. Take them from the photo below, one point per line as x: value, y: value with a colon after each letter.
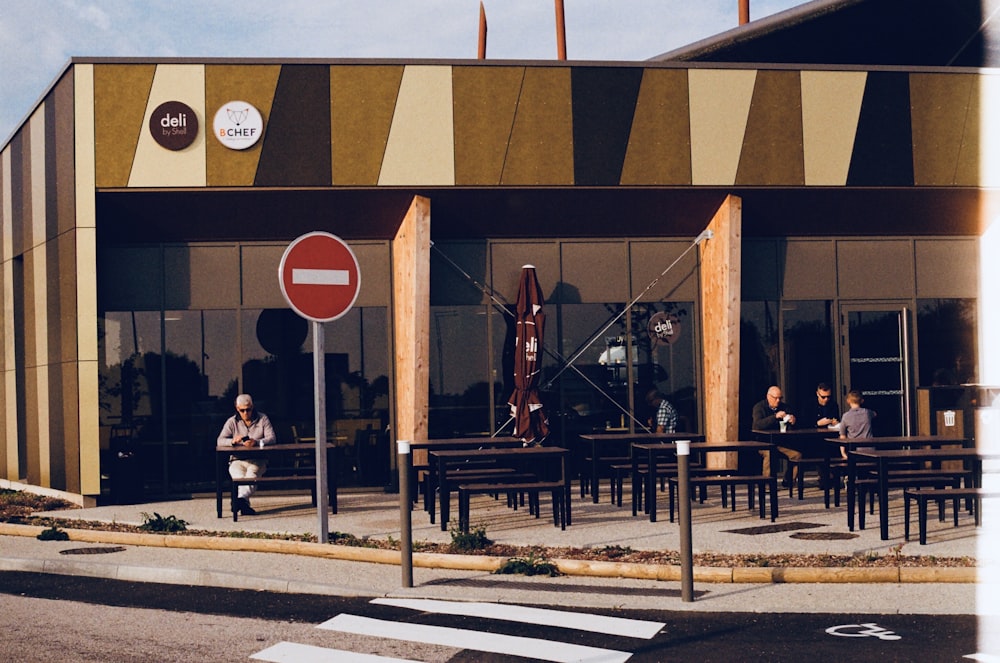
x: 530, y: 422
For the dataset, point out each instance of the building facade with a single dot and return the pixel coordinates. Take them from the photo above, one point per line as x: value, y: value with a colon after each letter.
x: 845, y: 210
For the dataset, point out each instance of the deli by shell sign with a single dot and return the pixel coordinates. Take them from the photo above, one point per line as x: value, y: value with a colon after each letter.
x: 238, y: 125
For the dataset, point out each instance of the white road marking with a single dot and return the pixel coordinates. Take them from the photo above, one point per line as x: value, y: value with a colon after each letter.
x: 632, y: 628
x: 321, y: 277
x: 545, y: 650
x: 292, y: 652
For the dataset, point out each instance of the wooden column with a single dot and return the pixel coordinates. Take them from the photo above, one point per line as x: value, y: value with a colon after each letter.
x: 411, y: 248
x: 720, y: 260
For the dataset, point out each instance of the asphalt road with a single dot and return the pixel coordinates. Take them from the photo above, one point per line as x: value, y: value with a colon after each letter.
x: 60, y: 618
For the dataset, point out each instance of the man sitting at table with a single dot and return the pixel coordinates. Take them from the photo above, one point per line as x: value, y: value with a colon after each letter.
x: 767, y: 415
x: 246, y: 428
x: 665, y: 416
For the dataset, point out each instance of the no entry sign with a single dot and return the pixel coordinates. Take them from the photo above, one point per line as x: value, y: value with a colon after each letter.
x: 319, y: 276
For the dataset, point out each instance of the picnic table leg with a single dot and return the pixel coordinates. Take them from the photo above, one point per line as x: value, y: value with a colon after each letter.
x: 851, y: 472
x: 883, y: 498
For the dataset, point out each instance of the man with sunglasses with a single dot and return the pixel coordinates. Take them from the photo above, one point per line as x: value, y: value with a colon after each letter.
x: 246, y: 428
x: 827, y: 410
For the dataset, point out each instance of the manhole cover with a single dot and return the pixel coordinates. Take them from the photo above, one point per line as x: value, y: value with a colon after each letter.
x: 824, y: 536
x: 92, y: 551
x: 771, y: 529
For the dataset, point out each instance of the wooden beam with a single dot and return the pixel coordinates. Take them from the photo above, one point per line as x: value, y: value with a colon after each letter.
x: 411, y: 248
x: 720, y: 265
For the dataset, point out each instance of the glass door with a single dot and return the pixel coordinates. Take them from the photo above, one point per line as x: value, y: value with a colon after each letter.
x: 875, y: 356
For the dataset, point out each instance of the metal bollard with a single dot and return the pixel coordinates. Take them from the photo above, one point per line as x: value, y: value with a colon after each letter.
x: 684, y: 497
x: 405, y: 524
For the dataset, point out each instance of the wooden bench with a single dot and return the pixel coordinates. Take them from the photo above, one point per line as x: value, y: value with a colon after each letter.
x: 560, y: 510
x: 940, y: 495
x: 731, y: 481
x: 268, y: 479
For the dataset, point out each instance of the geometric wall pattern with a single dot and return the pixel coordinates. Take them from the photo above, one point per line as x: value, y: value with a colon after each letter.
x: 462, y: 125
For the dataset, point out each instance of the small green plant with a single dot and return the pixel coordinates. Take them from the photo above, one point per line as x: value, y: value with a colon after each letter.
x: 157, y: 523
x: 53, y: 534
x: 474, y: 539
x: 529, y: 566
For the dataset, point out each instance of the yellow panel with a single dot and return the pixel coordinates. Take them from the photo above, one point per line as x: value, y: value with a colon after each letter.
x: 36, y: 163
x: 86, y: 294
x: 63, y: 276
x: 120, y: 95
x: 41, y: 418
x: 90, y: 445
x: 362, y: 99
x: 720, y: 103
x: 541, y: 145
x: 485, y: 102
x: 939, y: 113
x: 37, y: 321
x: 978, y: 162
x: 6, y: 213
x: 421, y: 145
x: 85, y: 176
x: 659, y: 147
x: 224, y: 83
x: 831, y: 106
x: 155, y: 166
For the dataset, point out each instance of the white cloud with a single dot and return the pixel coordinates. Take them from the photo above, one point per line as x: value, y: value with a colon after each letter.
x: 38, y: 37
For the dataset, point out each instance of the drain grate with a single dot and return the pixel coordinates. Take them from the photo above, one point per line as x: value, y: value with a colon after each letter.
x: 771, y: 529
x: 823, y: 536
x: 92, y: 551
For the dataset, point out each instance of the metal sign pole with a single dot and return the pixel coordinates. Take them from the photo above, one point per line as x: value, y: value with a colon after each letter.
x: 319, y: 390
x: 405, y: 522
x: 684, y: 497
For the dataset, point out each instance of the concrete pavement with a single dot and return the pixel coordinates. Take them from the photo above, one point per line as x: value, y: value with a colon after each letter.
x: 803, y: 528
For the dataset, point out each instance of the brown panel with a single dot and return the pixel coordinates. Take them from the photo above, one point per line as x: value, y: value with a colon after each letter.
x: 66, y: 409
x: 362, y: 100
x: 449, y: 286
x: 374, y: 263
x: 30, y: 315
x: 595, y: 270
x: 944, y: 116
x: 947, y: 268
x: 760, y: 270
x: 63, y: 140
x: 202, y: 277
x: 873, y: 269
x: 485, y: 99
x: 57, y: 439
x: 541, y: 144
x: 507, y: 258
x: 62, y: 298
x: 259, y: 275
x: 659, y: 147
x: 772, y: 145
x: 810, y: 270
x: 33, y: 460
x: 224, y: 83
x: 650, y: 259
x: 120, y: 94
x: 20, y: 175
x: 130, y: 278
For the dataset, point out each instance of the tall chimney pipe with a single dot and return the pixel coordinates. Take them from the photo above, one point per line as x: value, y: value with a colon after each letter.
x: 744, y: 11
x: 482, y: 32
x: 560, y: 30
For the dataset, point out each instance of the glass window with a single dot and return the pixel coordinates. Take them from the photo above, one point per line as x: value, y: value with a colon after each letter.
x: 759, y: 366
x: 459, y: 392
x: 808, y: 352
x: 946, y: 345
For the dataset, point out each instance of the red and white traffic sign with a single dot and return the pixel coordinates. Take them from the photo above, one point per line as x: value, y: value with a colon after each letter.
x: 319, y: 276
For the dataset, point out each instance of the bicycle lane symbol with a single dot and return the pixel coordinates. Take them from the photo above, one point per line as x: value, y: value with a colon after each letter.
x: 863, y: 631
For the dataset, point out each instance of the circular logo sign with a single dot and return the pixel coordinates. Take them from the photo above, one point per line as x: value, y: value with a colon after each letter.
x: 238, y: 125
x: 663, y: 328
x: 173, y: 125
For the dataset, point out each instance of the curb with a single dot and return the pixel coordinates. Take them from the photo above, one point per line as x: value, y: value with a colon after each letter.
x: 569, y: 567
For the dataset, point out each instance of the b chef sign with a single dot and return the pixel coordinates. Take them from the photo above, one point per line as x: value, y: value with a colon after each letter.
x: 238, y: 125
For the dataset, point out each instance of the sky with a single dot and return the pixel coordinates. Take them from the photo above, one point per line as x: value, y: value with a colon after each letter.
x: 38, y: 37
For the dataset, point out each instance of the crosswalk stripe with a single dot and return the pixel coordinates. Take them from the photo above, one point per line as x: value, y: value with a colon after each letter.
x: 560, y: 652
x: 293, y: 652
x: 632, y: 628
